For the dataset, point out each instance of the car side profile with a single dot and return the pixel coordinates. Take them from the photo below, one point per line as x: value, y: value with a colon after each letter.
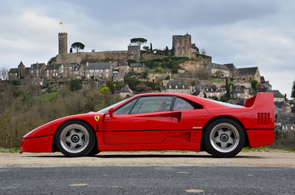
x: 160, y: 121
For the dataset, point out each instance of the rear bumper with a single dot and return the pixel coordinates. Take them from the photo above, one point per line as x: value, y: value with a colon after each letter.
x: 258, y: 138
x: 37, y: 144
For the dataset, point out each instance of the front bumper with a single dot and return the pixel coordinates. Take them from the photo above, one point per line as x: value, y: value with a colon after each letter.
x: 37, y: 144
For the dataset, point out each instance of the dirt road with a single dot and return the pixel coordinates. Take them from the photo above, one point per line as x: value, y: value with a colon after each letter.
x: 255, y: 159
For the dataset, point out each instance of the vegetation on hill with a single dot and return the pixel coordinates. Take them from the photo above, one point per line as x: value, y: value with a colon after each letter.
x: 23, y: 108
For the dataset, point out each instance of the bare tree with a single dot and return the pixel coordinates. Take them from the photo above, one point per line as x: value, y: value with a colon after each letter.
x: 4, y: 73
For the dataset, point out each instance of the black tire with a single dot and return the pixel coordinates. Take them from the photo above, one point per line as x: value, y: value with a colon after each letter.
x: 224, y: 138
x: 94, y: 150
x: 75, y: 138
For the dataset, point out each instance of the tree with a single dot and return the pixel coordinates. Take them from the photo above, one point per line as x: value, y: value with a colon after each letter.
x: 253, y: 84
x: 151, y: 47
x: 71, y: 50
x: 167, y: 51
x: 146, y: 48
x: 141, y: 87
x: 138, y: 41
x: 293, y: 90
x: 227, y: 88
x: 159, y: 69
x: 145, y: 75
x: 203, y: 51
x: 4, y: 73
x: 193, y: 83
x: 78, y: 46
x: 111, y: 86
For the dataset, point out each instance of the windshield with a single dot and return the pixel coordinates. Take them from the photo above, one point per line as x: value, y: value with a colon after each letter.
x: 114, y: 105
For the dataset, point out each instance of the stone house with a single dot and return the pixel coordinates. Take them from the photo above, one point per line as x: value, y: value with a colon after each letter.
x: 247, y: 74
x: 137, y: 67
x: 125, y: 67
x: 174, y: 86
x: 53, y: 71
x: 13, y: 74
x: 118, y: 74
x: 126, y: 91
x: 198, y: 90
x: 99, y: 70
x: 71, y: 71
x: 38, y: 70
x: 213, y: 92
x: 154, y: 77
x: 214, y: 69
x: 239, y: 92
x: 21, y: 72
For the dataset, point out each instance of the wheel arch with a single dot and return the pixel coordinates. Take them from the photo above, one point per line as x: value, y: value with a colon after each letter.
x: 54, y: 147
x: 224, y: 117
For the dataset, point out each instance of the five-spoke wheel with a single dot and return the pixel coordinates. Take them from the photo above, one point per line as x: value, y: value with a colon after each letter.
x: 224, y: 138
x: 75, y: 138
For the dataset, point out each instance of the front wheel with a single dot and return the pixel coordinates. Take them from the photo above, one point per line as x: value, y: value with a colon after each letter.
x: 224, y: 138
x: 75, y: 138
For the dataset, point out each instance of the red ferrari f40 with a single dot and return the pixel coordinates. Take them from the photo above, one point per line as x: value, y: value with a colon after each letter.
x: 160, y: 121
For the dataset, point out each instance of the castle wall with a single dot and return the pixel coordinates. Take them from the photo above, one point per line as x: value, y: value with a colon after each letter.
x: 79, y: 56
x: 62, y: 43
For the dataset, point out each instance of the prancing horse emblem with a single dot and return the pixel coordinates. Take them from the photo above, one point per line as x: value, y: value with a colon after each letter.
x: 96, y: 118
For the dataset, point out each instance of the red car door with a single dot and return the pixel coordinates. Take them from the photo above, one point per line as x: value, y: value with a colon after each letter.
x: 145, y: 120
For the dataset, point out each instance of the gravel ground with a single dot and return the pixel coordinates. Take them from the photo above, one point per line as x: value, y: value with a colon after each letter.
x: 253, y: 159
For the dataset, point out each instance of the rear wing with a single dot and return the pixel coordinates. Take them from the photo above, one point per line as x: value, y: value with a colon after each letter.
x: 261, y: 101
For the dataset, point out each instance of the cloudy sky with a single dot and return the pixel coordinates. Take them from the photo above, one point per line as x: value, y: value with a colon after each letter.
x: 247, y: 33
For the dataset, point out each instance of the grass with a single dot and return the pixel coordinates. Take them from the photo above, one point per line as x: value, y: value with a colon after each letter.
x: 47, y: 97
x: 9, y: 150
x: 215, y: 81
x: 266, y: 149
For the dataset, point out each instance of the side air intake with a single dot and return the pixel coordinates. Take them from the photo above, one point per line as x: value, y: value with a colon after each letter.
x: 263, y: 118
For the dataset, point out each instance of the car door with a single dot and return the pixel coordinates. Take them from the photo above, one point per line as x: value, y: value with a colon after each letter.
x: 188, y: 121
x: 144, y: 120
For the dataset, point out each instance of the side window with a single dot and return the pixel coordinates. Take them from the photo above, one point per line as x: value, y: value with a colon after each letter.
x: 181, y: 104
x: 125, y: 109
x: 152, y: 104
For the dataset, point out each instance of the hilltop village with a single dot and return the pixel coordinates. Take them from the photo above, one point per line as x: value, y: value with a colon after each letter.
x: 181, y: 69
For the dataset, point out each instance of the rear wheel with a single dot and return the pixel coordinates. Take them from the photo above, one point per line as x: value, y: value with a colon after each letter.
x: 224, y: 138
x: 75, y: 138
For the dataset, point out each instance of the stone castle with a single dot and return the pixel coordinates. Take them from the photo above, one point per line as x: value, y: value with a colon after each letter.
x: 181, y: 45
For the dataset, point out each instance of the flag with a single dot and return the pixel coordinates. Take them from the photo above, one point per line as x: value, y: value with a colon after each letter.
x: 61, y: 23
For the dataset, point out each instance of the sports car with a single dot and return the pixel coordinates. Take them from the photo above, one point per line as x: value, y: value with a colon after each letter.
x: 160, y: 121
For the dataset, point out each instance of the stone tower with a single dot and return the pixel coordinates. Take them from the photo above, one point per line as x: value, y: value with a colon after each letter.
x: 62, y: 43
x: 134, y: 52
x: 182, y: 45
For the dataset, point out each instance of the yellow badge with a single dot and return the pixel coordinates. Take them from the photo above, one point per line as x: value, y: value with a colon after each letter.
x: 96, y: 118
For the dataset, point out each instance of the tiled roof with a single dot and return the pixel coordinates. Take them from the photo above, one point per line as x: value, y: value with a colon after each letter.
x: 135, y: 65
x: 21, y: 64
x: 230, y: 66
x: 247, y: 71
x: 53, y: 66
x: 99, y: 66
x: 37, y: 65
x: 218, y: 66
x: 13, y: 70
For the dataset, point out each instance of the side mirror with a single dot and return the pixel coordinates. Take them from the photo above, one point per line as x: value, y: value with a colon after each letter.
x: 111, y: 111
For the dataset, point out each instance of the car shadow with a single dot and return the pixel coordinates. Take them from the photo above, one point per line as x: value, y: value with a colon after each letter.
x: 134, y: 155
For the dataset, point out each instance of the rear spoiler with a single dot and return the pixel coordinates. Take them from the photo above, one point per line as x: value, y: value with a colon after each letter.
x: 261, y: 100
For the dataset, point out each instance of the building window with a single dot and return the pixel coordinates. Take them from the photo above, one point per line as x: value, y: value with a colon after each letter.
x: 96, y: 70
x: 176, y: 87
x: 107, y: 70
x: 32, y: 71
x: 107, y: 74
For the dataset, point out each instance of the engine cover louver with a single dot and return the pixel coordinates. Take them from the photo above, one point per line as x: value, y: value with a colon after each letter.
x: 263, y: 118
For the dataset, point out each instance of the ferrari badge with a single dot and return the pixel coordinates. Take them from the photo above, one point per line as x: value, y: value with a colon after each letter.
x: 96, y: 118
